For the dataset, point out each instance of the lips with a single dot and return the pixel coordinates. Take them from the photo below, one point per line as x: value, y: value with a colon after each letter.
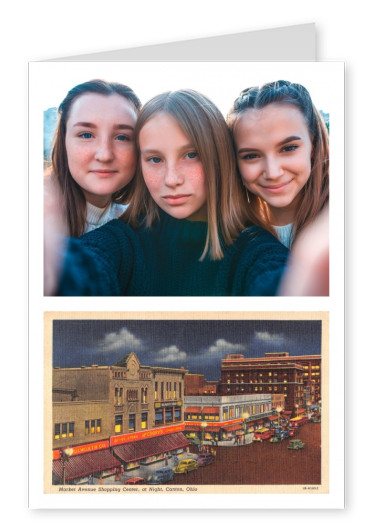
x: 104, y: 173
x: 177, y: 199
x: 276, y: 187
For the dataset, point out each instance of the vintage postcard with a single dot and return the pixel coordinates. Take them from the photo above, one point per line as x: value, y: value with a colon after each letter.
x: 140, y: 404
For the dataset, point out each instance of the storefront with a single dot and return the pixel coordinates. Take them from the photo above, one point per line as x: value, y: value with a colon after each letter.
x: 73, y: 464
x: 144, y: 448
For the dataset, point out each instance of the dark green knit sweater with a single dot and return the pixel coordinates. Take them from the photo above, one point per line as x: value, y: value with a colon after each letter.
x: 164, y: 261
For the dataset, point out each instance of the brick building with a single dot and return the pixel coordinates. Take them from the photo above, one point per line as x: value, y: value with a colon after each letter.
x: 298, y: 378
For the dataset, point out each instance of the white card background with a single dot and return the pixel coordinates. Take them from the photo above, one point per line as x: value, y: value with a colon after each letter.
x: 221, y: 81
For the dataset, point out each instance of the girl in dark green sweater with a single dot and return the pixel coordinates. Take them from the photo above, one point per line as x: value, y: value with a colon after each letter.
x: 187, y: 230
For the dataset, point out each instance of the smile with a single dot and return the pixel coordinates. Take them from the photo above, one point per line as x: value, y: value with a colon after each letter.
x: 276, y: 188
x: 178, y: 199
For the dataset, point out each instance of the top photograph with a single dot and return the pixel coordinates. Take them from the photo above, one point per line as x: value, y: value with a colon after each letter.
x: 187, y: 179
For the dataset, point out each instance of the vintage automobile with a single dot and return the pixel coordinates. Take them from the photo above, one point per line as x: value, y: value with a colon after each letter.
x: 185, y: 466
x: 162, y: 475
x: 205, y: 459
x: 296, y: 444
x: 135, y: 481
x: 262, y: 434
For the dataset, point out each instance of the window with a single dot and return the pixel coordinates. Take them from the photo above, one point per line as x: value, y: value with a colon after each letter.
x: 144, y: 396
x: 156, y: 390
x: 64, y: 430
x: 162, y: 390
x: 179, y: 389
x: 118, y: 423
x: 177, y: 414
x: 92, y: 426
x: 144, y: 421
x: 168, y: 414
x: 159, y: 416
x: 174, y: 389
x: 132, y: 422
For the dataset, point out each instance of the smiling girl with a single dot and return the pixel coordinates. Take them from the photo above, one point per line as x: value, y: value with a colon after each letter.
x: 282, y: 152
x: 184, y: 230
x: 94, y: 156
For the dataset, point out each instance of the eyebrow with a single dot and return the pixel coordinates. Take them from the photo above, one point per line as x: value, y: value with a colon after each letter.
x: 93, y: 126
x: 155, y: 150
x: 284, y: 141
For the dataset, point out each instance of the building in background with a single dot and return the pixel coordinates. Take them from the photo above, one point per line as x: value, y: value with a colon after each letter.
x: 298, y: 378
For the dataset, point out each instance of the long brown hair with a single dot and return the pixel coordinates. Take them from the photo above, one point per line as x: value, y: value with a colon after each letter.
x: 315, y: 193
x: 202, y: 122
x: 73, y: 196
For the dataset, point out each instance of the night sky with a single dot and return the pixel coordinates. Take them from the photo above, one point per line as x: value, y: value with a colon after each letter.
x: 196, y: 345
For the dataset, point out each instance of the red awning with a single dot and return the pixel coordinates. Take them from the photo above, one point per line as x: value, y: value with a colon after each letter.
x: 192, y: 410
x: 133, y: 451
x: 275, y: 417
x: 211, y: 410
x: 83, y: 465
x: 233, y: 427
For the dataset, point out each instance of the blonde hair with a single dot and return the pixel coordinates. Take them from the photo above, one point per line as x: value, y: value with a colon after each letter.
x: 202, y: 122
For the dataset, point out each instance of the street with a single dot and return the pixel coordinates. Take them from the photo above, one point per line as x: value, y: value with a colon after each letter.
x: 263, y: 463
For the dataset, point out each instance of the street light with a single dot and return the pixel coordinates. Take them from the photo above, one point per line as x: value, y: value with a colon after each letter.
x: 245, y: 418
x: 65, y: 454
x: 203, y: 426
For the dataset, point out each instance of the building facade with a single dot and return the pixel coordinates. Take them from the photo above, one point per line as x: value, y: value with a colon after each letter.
x: 217, y: 418
x: 298, y: 378
x: 115, y: 416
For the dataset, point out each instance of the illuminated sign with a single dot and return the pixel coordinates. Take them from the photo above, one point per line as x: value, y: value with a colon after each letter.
x: 83, y: 449
x: 139, y: 435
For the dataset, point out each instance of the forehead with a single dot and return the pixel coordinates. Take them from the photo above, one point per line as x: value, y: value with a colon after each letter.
x: 162, y: 128
x: 92, y: 107
x: 272, y: 119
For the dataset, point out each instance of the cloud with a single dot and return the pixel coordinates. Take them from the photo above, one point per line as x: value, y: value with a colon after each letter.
x: 267, y: 336
x: 221, y: 347
x: 121, y: 341
x: 171, y: 354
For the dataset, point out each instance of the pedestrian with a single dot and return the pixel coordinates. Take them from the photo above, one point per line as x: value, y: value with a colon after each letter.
x: 100, y: 480
x: 90, y: 482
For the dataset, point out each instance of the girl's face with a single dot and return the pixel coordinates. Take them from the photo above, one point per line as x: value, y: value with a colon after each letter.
x: 172, y: 169
x: 273, y: 149
x: 100, y: 145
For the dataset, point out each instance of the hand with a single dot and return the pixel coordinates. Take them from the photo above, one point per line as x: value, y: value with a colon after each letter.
x: 55, y: 233
x: 308, y: 270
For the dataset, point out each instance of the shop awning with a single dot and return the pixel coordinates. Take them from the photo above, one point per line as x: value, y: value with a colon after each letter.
x: 233, y: 427
x: 211, y: 410
x: 274, y: 417
x: 192, y: 410
x: 83, y: 465
x: 133, y: 451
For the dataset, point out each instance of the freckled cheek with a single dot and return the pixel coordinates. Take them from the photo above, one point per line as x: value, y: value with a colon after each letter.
x: 78, y: 156
x: 153, y: 177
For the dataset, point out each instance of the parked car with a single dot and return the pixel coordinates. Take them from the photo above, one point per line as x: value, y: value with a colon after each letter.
x: 162, y: 475
x: 186, y: 465
x: 205, y: 459
x: 190, y: 455
x: 296, y: 444
x: 314, y: 419
x: 135, y: 481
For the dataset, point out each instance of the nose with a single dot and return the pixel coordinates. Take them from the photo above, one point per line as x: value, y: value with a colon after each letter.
x: 273, y: 168
x: 104, y: 152
x: 173, y: 176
